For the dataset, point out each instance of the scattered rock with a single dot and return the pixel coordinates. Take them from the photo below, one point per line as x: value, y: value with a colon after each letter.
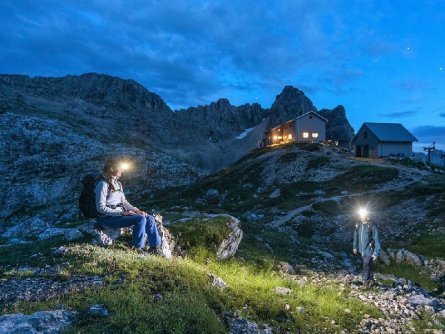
x: 43, y: 322
x: 99, y: 310
x: 68, y: 233
x: 254, y: 217
x: 319, y: 192
x: 422, y: 300
x: 157, y: 297
x: 400, y: 256
x: 326, y: 254
x: 384, y: 257
x: 300, y: 309
x: 413, y: 259
x: 29, y: 228
x: 283, y: 291
x: 243, y: 326
x: 41, y: 288
x: 217, y: 281
x: 212, y: 196
x: 61, y: 251
x: 285, y: 268
x: 275, y: 194
x: 229, y: 245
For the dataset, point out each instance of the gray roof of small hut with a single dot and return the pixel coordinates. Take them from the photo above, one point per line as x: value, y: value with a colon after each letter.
x: 389, y: 132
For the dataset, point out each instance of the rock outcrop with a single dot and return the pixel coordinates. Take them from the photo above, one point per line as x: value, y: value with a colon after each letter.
x: 219, y: 233
x: 290, y: 103
x: 53, y: 131
x: 338, y: 128
x: 42, y: 322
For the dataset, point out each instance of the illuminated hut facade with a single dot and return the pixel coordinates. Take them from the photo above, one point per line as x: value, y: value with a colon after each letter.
x: 310, y: 127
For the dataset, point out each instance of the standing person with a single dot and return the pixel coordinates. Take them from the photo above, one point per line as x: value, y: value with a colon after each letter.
x: 114, y: 211
x: 366, y: 242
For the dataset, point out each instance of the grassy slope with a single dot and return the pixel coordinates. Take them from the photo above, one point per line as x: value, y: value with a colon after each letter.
x: 189, y: 303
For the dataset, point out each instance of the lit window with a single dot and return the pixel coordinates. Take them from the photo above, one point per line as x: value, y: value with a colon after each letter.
x: 305, y: 134
x: 280, y: 137
x: 275, y: 137
x: 289, y: 136
x: 315, y: 135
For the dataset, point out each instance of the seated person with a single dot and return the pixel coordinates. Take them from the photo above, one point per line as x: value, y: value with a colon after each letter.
x: 114, y: 211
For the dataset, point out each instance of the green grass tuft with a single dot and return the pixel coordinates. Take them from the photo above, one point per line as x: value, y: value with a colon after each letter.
x: 205, y: 233
x: 409, y: 272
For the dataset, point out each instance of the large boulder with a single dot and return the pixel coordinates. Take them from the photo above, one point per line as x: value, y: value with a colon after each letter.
x: 219, y: 233
x: 413, y: 259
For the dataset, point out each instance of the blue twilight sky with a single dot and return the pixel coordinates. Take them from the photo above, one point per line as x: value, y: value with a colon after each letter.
x: 383, y: 60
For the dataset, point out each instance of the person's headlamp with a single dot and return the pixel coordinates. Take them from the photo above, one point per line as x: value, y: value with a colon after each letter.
x: 124, y: 165
x: 363, y: 213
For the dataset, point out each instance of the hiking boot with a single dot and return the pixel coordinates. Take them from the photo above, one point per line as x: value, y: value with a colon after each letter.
x: 370, y: 284
x: 141, y: 251
x: 156, y: 251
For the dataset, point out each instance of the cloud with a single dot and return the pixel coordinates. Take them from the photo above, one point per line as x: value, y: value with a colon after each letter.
x: 187, y: 54
x: 414, y: 99
x: 411, y: 85
x: 405, y: 113
x: 430, y: 133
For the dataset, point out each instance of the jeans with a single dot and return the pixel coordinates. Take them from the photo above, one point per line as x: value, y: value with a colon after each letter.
x: 141, y: 226
x: 367, y: 268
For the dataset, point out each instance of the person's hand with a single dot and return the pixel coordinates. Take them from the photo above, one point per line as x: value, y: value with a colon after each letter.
x: 139, y: 212
x: 354, y: 251
x: 128, y: 213
x: 374, y: 257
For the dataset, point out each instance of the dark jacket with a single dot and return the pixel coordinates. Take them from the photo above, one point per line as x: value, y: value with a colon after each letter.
x: 366, y: 239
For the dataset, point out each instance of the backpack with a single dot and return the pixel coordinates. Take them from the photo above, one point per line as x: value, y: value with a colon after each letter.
x: 87, y: 199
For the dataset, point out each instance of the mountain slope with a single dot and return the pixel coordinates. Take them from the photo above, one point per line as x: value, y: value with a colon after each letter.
x: 293, y: 272
x: 55, y: 130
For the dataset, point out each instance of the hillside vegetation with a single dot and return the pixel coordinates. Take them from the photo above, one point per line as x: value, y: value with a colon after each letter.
x: 297, y: 205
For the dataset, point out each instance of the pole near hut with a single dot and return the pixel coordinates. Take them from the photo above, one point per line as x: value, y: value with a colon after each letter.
x: 430, y: 149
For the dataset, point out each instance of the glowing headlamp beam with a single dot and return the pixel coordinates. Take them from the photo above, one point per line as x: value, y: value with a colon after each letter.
x: 363, y: 213
x: 124, y: 166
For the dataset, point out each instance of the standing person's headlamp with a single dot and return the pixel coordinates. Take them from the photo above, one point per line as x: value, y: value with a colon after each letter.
x: 363, y: 213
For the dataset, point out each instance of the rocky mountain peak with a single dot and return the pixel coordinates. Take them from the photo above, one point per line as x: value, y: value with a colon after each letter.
x: 97, y: 88
x: 222, y: 102
x: 290, y: 103
x: 338, y: 125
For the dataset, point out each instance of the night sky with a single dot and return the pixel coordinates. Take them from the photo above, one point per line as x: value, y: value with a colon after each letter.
x: 383, y: 60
